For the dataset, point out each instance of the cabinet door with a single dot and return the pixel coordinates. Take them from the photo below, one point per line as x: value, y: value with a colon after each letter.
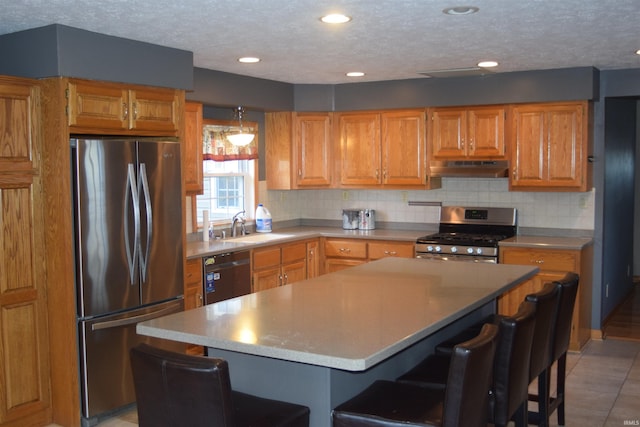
x: 403, y: 148
x: 360, y: 149
x: 485, y: 133
x: 343, y: 248
x: 97, y: 106
x: 294, y: 272
x: 153, y: 110
x: 193, y: 148
x: 548, y: 146
x: 24, y: 345
x: 266, y: 279
x: 313, y: 259
x: 332, y: 265
x: 278, y: 141
x: 448, y: 133
x: 312, y: 149
x: 193, y: 284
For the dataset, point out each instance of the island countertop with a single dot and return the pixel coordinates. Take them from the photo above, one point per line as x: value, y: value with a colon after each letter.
x: 351, y: 319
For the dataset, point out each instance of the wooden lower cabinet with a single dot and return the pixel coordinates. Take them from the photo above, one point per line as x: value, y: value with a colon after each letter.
x: 553, y: 265
x: 278, y: 265
x: 193, y: 297
x: 344, y: 253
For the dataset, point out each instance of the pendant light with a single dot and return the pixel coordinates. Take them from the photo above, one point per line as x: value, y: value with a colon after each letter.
x: 240, y: 138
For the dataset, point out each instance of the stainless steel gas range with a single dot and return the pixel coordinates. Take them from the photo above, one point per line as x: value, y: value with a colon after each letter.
x: 468, y: 234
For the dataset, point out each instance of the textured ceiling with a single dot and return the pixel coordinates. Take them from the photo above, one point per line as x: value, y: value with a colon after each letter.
x: 387, y: 39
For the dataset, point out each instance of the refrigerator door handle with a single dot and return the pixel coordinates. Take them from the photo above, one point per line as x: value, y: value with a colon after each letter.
x: 144, y: 254
x: 132, y: 320
x: 132, y: 192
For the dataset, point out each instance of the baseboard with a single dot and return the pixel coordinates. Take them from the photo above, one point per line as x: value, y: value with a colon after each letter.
x: 597, y: 334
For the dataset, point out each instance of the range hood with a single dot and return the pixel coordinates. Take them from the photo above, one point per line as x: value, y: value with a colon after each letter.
x: 470, y: 168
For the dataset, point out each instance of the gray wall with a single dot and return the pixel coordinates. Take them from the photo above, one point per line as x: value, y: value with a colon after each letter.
x: 59, y: 50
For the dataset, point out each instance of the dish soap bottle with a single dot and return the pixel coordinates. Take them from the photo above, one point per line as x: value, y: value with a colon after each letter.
x: 263, y: 219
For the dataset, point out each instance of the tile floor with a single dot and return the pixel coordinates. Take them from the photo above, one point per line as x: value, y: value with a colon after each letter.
x: 603, y: 387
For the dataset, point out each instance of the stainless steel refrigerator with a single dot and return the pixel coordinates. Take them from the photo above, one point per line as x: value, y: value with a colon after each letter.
x: 128, y: 253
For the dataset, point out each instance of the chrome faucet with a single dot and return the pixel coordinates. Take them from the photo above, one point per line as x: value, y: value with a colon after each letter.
x: 238, y: 218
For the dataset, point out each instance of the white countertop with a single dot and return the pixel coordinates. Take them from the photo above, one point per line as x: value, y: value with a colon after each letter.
x: 547, y: 242
x: 351, y: 319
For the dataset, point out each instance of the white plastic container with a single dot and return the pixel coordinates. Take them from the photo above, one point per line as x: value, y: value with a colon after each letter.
x: 263, y: 219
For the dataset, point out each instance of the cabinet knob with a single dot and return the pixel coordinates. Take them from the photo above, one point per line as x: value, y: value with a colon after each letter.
x: 135, y: 111
x: 125, y: 111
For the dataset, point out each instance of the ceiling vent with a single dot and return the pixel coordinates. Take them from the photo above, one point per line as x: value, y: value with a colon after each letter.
x: 456, y: 72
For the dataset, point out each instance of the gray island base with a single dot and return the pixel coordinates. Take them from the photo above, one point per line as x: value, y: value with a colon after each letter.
x: 321, y: 341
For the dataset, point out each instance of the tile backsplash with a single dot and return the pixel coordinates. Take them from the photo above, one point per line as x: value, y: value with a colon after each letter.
x: 572, y: 211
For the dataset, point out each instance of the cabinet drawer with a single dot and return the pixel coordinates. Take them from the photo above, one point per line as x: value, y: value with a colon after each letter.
x: 267, y: 257
x: 193, y: 272
x: 546, y: 260
x: 379, y: 250
x: 345, y: 248
x: 294, y: 252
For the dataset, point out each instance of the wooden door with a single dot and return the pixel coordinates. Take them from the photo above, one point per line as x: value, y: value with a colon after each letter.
x: 565, y: 145
x: 193, y: 149
x: 448, y: 133
x: 266, y: 279
x: 294, y: 272
x: 360, y: 149
x: 278, y: 150
x: 153, y: 110
x: 403, y: 148
x: 24, y: 346
x: 312, y: 149
x: 97, y: 106
x: 485, y: 133
x: 313, y: 259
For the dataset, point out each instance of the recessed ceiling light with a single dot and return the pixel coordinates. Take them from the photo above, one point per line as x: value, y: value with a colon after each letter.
x: 460, y: 10
x: 355, y: 74
x: 487, y: 64
x: 248, y: 59
x: 638, y: 52
x: 335, y: 18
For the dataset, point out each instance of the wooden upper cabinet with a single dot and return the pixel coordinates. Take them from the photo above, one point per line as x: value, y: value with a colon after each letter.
x: 18, y: 105
x: 115, y: 108
x: 24, y: 341
x: 298, y: 150
x: 383, y: 149
x: 192, y: 159
x: 312, y: 139
x: 359, y: 138
x: 403, y: 148
x: 550, y: 144
x: 467, y: 133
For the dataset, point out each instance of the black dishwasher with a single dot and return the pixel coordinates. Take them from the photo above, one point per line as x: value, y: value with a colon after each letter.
x: 226, y: 275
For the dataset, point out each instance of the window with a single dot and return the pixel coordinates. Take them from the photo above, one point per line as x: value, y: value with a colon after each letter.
x: 228, y: 189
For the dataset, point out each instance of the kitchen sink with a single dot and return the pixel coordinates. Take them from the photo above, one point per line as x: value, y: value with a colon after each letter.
x: 261, y: 237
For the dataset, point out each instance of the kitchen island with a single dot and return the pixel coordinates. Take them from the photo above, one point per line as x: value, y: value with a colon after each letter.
x: 320, y: 341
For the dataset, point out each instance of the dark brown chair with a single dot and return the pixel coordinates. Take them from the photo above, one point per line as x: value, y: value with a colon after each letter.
x: 463, y: 403
x: 546, y: 301
x: 568, y: 290
x: 174, y: 390
x: 508, y: 399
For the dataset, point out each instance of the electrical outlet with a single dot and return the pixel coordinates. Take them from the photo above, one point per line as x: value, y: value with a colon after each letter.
x: 404, y: 195
x: 583, y: 201
x: 283, y: 196
x: 345, y: 195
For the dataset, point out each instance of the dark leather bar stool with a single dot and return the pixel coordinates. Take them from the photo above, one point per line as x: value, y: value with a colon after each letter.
x: 508, y: 399
x: 175, y: 390
x: 463, y: 403
x: 568, y: 290
x: 546, y: 301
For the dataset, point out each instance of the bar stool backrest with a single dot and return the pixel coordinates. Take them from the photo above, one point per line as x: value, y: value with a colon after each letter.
x: 546, y: 301
x: 467, y: 393
x: 568, y: 291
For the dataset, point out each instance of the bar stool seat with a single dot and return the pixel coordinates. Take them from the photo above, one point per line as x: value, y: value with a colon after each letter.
x: 463, y: 403
x: 174, y: 390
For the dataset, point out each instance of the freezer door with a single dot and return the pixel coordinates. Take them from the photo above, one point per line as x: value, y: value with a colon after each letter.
x: 106, y: 379
x: 160, y: 192
x: 105, y: 222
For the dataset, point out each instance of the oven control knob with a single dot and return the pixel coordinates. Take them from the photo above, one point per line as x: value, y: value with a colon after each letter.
x: 438, y: 249
x: 469, y: 250
x: 430, y: 248
x: 454, y: 249
x: 479, y: 251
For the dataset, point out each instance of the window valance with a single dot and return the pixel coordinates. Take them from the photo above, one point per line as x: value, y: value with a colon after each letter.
x: 216, y: 146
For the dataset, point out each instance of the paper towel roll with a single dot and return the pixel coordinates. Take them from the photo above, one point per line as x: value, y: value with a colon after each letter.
x: 205, y: 226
